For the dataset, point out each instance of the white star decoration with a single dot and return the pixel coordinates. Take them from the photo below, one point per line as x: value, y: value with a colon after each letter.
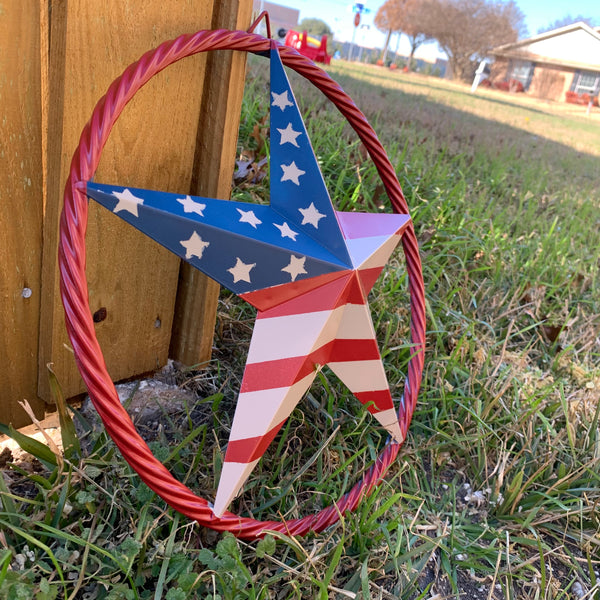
x: 189, y: 206
x: 241, y: 271
x: 281, y: 100
x: 311, y: 215
x: 286, y: 231
x: 127, y: 201
x: 288, y: 135
x: 194, y: 246
x: 248, y: 216
x: 296, y: 266
x: 291, y: 173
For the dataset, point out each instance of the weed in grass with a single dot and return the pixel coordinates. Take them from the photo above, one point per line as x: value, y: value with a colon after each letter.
x: 495, y: 494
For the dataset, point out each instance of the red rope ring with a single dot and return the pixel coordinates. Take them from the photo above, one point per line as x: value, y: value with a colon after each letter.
x: 74, y: 291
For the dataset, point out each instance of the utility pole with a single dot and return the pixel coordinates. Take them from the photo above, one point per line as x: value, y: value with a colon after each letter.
x: 358, y: 9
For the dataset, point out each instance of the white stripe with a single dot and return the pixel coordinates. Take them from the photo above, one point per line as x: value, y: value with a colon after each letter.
x: 389, y: 419
x: 356, y: 323
x: 292, y: 335
x: 258, y: 412
x: 361, y: 376
x: 233, y: 477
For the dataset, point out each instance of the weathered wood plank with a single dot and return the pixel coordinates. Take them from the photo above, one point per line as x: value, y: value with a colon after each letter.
x: 196, y: 306
x: 129, y: 276
x: 20, y: 208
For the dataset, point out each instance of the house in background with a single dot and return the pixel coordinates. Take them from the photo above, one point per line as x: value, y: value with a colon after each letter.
x: 562, y: 64
x: 281, y: 17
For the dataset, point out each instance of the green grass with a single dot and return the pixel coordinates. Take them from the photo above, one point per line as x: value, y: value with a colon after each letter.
x: 496, y: 491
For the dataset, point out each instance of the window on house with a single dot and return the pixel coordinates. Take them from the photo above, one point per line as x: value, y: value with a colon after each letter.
x: 522, y: 70
x: 586, y: 82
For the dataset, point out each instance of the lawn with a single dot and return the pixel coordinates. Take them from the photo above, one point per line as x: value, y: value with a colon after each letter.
x: 495, y: 493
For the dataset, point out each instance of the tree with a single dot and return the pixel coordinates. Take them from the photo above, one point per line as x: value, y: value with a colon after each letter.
x: 403, y: 16
x: 414, y: 25
x: 315, y: 27
x: 387, y: 20
x: 564, y: 21
x: 466, y: 30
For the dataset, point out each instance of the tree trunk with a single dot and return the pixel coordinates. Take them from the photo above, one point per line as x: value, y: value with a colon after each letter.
x: 386, y: 45
x: 461, y: 69
x: 413, y: 48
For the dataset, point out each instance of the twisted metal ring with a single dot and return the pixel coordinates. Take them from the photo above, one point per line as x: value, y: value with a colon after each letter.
x: 74, y: 289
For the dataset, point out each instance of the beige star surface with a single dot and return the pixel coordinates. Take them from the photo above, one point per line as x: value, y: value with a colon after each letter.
x: 311, y: 215
x: 248, y: 216
x: 296, y: 266
x: 285, y: 230
x: 281, y: 100
x: 288, y: 135
x: 291, y: 173
x: 190, y: 206
x: 127, y: 202
x: 241, y: 270
x: 195, y: 246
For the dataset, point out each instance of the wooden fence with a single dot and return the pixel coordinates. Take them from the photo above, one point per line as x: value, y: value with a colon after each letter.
x: 57, y: 58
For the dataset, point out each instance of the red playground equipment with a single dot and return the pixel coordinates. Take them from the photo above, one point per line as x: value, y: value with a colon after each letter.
x: 310, y: 47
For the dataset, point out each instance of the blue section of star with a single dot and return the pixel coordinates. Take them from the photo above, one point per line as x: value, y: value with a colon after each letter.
x: 248, y: 247
x: 227, y: 230
x: 296, y: 179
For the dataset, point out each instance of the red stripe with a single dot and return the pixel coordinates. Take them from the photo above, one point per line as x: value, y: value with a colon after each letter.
x: 275, y: 373
x: 354, y: 350
x: 273, y: 296
x: 298, y: 297
x: 327, y: 297
x: 368, y: 277
x: 284, y: 372
x: 376, y: 401
x: 249, y: 449
x: 354, y: 292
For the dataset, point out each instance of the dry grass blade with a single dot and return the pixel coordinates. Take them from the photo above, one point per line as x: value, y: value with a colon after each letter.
x: 49, y: 441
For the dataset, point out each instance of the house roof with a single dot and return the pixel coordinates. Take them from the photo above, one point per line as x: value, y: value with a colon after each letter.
x: 576, y: 46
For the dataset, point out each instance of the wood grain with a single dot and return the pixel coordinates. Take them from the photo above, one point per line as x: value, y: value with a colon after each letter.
x: 196, y: 305
x: 152, y: 145
x: 21, y: 187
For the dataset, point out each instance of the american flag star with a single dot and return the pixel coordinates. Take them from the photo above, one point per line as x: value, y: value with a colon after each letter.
x: 308, y: 270
x: 128, y: 202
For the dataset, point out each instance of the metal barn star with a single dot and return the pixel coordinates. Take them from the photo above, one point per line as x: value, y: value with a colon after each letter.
x: 307, y: 268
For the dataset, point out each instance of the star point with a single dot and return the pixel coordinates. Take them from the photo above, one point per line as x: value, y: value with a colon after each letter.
x: 291, y: 173
x: 190, y: 206
x: 127, y: 202
x: 281, y: 100
x: 248, y: 216
x: 195, y: 246
x: 241, y: 271
x: 311, y: 215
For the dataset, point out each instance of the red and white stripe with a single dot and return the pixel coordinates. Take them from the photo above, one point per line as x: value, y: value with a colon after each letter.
x: 300, y: 327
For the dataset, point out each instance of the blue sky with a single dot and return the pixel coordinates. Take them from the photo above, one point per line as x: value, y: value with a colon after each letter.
x: 338, y: 15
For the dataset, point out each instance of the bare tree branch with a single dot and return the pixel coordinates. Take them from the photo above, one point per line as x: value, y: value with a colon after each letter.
x: 466, y: 30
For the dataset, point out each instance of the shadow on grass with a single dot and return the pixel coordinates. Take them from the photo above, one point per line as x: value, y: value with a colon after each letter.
x: 399, y: 117
x: 416, y: 80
